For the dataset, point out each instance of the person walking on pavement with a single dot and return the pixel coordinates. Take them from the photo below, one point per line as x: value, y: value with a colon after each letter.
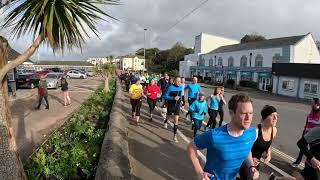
x: 198, y: 109
x: 221, y: 104
x: 152, y: 91
x: 313, y: 120
x: 309, y: 145
x: 65, y: 89
x: 227, y: 146
x: 43, y: 92
x: 163, y: 83
x: 193, y: 90
x: 266, y: 130
x: 173, y: 98
x: 136, y: 92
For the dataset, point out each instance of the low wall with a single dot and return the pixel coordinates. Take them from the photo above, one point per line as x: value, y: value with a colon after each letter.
x: 114, y: 160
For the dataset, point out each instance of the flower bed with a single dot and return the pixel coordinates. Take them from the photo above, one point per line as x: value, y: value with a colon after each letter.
x: 72, y: 152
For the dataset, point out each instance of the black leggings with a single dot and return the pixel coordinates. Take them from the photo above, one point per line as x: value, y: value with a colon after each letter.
x: 152, y: 104
x: 212, y: 120
x: 221, y: 114
x: 136, y: 105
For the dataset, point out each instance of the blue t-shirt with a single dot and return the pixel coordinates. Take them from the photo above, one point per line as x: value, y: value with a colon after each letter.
x: 173, y: 91
x: 198, y: 109
x: 214, y: 102
x: 193, y: 90
x: 225, y: 153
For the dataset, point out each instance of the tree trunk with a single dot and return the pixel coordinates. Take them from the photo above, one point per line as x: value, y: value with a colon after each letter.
x: 10, y: 164
x: 106, y: 84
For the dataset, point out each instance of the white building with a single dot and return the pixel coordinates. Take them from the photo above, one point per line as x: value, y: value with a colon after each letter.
x: 132, y: 62
x: 204, y: 43
x: 253, y: 61
x: 296, y: 80
x: 97, y: 61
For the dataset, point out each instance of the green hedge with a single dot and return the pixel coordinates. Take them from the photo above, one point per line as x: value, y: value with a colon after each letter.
x: 72, y: 152
x: 250, y: 84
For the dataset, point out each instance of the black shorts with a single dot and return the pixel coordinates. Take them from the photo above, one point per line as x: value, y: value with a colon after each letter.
x: 173, y: 108
x: 308, y: 173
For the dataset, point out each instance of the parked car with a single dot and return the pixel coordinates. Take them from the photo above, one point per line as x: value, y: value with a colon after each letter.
x: 43, y: 73
x: 53, y: 80
x: 90, y: 73
x: 76, y: 74
x: 27, y: 80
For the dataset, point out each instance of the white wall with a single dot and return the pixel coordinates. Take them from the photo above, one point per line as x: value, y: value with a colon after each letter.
x: 137, y: 64
x: 293, y: 92
x: 306, y: 51
x: 184, y: 68
x: 266, y: 53
x: 211, y: 42
x: 274, y: 84
x: 307, y: 95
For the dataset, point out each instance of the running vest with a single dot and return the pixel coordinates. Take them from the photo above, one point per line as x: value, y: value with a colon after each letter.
x: 260, y: 145
x: 313, y: 120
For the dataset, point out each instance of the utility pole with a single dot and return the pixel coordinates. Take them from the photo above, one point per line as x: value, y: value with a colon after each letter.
x: 144, y: 49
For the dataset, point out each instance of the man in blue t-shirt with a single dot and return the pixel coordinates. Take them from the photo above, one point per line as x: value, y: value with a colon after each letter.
x: 228, y: 146
x: 173, y: 96
x: 193, y: 90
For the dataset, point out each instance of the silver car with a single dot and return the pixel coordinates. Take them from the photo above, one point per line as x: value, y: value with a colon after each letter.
x: 76, y: 74
x: 53, y: 80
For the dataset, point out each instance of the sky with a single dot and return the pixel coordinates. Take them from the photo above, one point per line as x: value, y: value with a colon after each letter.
x: 228, y: 18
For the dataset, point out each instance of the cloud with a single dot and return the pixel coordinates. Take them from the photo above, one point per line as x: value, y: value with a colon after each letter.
x: 229, y: 18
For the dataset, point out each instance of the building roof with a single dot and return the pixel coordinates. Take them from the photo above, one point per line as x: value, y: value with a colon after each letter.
x: 70, y: 63
x: 296, y: 70
x: 269, y: 43
x: 132, y: 56
x: 13, y: 54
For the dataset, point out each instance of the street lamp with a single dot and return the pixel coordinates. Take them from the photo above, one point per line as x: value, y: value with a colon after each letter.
x: 144, y: 49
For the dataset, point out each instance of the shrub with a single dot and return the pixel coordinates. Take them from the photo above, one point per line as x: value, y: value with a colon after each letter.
x: 72, y: 152
x: 250, y: 84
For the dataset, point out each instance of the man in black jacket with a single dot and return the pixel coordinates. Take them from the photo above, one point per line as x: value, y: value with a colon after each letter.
x: 163, y: 83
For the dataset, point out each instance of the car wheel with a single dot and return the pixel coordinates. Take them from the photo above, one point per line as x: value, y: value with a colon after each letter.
x: 32, y: 86
x: 81, y: 77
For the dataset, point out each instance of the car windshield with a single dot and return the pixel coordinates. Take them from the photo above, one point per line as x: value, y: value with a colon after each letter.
x: 51, y: 76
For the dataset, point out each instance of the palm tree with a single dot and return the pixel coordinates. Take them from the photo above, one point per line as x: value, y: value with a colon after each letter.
x: 61, y: 24
x: 106, y: 71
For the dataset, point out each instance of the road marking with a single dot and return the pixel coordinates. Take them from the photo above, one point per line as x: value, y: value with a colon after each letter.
x: 285, y: 156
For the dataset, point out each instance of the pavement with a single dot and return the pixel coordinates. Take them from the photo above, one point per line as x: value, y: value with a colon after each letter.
x: 153, y: 154
x: 33, y: 126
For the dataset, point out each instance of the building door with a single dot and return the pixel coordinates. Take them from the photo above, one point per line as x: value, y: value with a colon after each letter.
x: 263, y: 83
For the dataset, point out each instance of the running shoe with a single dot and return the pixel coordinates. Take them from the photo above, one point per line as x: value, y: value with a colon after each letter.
x: 175, y: 139
x: 295, y: 164
x: 166, y: 125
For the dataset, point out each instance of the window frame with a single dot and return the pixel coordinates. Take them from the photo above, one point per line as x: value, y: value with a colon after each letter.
x: 290, y: 84
x: 311, y: 84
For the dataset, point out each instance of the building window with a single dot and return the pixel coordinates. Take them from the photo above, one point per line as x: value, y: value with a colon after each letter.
x: 210, y: 62
x: 230, y: 61
x: 259, y: 61
x: 288, y: 84
x: 243, y: 61
x: 310, y: 87
x: 202, y: 61
x: 276, y: 58
x: 220, y: 61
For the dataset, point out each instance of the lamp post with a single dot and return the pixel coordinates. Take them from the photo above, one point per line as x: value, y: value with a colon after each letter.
x: 144, y: 49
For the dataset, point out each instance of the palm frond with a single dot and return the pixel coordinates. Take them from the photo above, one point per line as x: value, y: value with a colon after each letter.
x: 63, y: 23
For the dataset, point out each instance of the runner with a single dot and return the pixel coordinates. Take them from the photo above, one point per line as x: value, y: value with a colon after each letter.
x: 311, y: 169
x: 313, y: 120
x: 173, y: 98
x: 228, y: 146
x: 163, y: 83
x: 266, y: 130
x: 193, y: 90
x: 221, y: 104
x: 215, y: 100
x: 135, y: 92
x: 152, y: 91
x: 198, y: 109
